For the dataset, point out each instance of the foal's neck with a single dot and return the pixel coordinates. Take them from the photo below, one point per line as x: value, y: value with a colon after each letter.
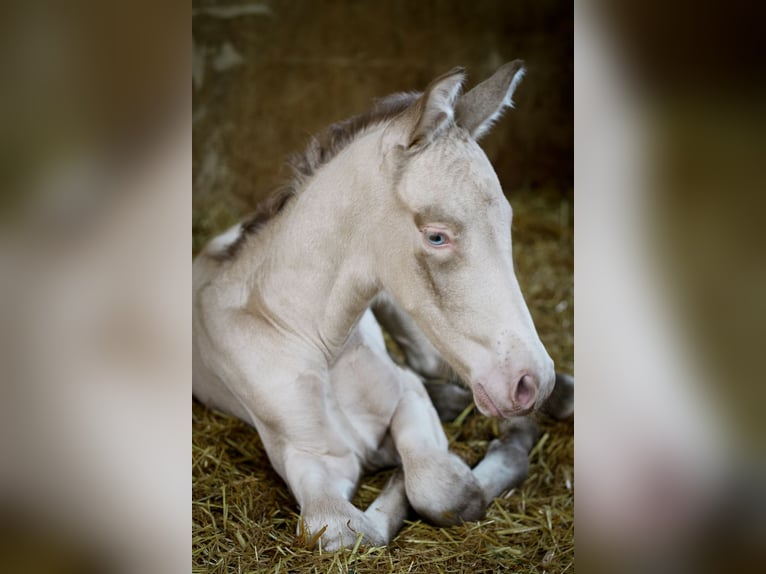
x: 317, y: 274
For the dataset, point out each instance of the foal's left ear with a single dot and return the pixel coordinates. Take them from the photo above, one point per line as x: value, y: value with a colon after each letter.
x: 436, y: 107
x: 481, y: 107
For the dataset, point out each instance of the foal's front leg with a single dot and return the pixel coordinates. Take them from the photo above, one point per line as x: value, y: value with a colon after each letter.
x: 308, y: 450
x: 322, y: 471
x: 323, y: 490
x: 439, y: 484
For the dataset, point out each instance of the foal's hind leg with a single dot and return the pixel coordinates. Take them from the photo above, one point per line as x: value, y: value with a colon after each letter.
x: 440, y: 486
x: 560, y: 405
x: 449, y: 398
x: 506, y: 463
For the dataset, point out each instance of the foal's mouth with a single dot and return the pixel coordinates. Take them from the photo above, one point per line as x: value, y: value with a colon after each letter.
x: 485, y: 403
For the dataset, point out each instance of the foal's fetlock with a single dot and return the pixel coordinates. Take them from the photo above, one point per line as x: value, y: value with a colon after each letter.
x: 517, y: 432
x: 518, y: 436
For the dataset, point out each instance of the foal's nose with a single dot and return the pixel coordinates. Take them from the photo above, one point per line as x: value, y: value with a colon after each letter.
x: 524, y: 393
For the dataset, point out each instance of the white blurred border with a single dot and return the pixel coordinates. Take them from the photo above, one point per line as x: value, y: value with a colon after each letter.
x: 654, y: 447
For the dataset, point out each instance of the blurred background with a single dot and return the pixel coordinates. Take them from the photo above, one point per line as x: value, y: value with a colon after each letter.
x: 670, y: 275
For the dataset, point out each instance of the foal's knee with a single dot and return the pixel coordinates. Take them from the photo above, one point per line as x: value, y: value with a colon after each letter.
x: 442, y: 489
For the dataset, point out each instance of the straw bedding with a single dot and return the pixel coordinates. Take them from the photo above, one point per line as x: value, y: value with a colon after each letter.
x: 244, y: 519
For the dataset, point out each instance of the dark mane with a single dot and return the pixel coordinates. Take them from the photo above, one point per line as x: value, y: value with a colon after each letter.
x: 321, y: 149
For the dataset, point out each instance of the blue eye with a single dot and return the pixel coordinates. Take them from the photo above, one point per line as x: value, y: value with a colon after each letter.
x: 437, y: 238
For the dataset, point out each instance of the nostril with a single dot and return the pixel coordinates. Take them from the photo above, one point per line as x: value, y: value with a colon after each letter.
x: 525, y: 393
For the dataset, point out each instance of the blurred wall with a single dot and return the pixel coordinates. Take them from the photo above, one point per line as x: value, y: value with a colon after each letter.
x: 269, y: 73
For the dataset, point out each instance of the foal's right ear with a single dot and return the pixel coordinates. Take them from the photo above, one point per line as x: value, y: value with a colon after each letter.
x: 435, y: 109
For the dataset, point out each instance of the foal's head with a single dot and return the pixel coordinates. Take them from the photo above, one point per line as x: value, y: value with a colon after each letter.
x: 447, y: 245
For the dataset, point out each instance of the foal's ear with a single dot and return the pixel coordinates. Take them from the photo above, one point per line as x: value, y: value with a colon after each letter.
x: 436, y: 107
x: 481, y: 107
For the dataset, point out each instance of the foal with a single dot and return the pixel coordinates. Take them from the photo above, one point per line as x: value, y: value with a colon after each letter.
x: 401, y: 199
